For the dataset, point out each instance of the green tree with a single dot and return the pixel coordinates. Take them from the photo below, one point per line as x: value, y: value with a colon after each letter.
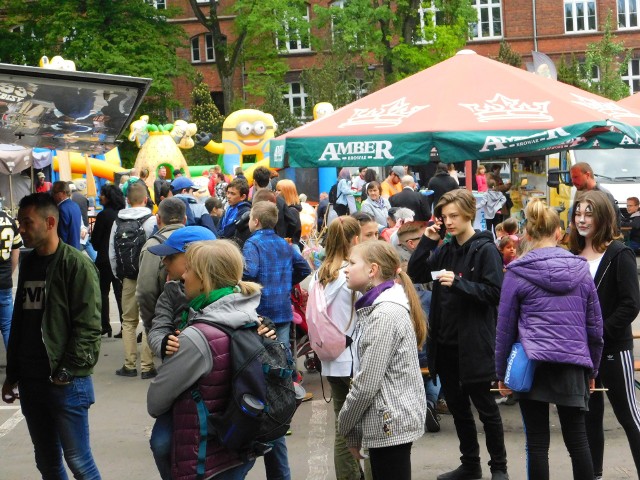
x: 611, y: 59
x: 411, y: 35
x: 124, y: 37
x: 207, y: 117
x: 569, y: 71
x: 507, y: 55
x: 261, y: 30
x: 274, y: 104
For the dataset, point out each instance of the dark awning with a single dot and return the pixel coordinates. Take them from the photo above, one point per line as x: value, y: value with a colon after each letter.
x: 66, y: 110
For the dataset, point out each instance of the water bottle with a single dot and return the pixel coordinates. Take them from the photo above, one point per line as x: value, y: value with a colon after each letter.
x: 252, y: 405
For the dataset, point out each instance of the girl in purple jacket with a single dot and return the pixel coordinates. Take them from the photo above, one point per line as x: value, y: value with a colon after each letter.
x: 613, y: 267
x: 549, y: 303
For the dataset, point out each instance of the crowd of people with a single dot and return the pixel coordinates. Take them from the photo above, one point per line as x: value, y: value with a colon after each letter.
x: 427, y: 308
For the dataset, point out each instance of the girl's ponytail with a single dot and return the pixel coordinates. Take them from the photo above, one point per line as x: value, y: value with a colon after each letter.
x: 418, y: 317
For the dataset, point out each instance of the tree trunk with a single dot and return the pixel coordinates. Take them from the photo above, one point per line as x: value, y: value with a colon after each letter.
x: 227, y: 91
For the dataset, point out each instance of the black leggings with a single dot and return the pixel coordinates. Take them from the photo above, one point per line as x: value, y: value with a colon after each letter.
x: 106, y: 281
x: 616, y: 374
x: 391, y: 462
x: 535, y: 416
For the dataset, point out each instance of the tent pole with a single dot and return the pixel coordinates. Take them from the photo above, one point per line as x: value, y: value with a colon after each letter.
x: 11, y: 191
x: 468, y: 172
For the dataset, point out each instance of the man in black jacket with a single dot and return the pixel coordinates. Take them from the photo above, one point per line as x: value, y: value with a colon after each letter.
x: 441, y: 183
x: 414, y: 201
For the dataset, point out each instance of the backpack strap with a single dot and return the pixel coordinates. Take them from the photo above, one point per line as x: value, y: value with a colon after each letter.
x: 159, y: 237
x: 203, y: 413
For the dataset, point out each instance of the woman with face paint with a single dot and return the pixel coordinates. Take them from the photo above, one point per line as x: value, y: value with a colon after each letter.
x: 613, y: 267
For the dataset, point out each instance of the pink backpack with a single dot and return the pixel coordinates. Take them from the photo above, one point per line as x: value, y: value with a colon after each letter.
x: 325, y: 338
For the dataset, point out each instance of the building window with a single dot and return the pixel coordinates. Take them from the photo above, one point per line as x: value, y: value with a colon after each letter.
x: 210, y: 54
x: 295, y: 40
x: 633, y: 76
x: 580, y: 15
x: 489, y: 24
x: 158, y: 4
x: 628, y: 13
x: 429, y: 16
x: 296, y: 100
x: 195, y: 49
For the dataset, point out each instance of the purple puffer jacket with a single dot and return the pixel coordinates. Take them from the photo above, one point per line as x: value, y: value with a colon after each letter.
x: 549, y: 301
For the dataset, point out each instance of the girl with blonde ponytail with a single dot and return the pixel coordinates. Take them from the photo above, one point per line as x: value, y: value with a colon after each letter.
x: 390, y: 325
x: 343, y: 233
x: 549, y: 305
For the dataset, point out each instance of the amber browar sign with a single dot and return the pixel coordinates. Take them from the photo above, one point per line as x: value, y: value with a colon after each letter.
x: 467, y: 107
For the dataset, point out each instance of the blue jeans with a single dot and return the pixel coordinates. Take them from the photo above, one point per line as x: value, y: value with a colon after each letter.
x: 276, y: 462
x: 160, y: 443
x: 237, y: 473
x: 6, y: 311
x: 283, y: 333
x: 58, y: 421
x: 87, y: 247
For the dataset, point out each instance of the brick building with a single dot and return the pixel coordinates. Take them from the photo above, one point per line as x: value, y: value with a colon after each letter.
x: 554, y: 27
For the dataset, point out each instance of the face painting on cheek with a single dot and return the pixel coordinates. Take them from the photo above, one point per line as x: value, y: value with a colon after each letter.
x: 584, y: 219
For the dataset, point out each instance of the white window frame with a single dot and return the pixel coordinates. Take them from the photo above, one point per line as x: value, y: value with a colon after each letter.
x: 289, y: 97
x: 575, y: 4
x: 298, y: 47
x: 195, y: 49
x: 630, y: 77
x: 158, y: 4
x: 17, y: 29
x: 209, y: 52
x: 489, y: 7
x: 627, y: 15
x: 426, y: 12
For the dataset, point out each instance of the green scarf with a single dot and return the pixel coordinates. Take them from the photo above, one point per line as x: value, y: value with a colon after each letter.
x: 202, y: 301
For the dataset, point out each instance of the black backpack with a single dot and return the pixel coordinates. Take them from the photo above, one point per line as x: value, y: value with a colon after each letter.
x: 333, y: 194
x: 128, y: 241
x: 263, y: 399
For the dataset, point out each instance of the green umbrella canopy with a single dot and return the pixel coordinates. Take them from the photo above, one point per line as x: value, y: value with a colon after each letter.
x: 467, y: 107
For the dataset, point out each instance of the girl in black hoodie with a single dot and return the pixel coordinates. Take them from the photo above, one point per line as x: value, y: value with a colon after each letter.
x: 613, y: 266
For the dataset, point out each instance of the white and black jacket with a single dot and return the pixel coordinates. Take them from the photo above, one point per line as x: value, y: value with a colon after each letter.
x: 386, y: 405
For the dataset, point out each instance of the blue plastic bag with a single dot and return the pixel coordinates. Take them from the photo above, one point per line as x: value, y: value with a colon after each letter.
x: 520, y: 369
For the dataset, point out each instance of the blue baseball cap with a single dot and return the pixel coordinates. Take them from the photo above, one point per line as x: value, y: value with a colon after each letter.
x: 181, y: 183
x: 180, y: 240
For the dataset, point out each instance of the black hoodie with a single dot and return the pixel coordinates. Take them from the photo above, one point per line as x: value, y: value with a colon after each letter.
x: 462, y: 316
x: 617, y: 284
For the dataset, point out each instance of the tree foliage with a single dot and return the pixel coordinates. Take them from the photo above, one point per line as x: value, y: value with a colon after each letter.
x: 405, y: 40
x: 507, y: 55
x: 274, y: 105
x: 604, y: 64
x: 611, y: 59
x: 260, y: 32
x: 205, y: 114
x: 124, y: 37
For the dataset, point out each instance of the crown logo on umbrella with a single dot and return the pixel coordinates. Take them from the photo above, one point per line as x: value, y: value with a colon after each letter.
x: 501, y: 107
x: 609, y: 109
x: 388, y: 115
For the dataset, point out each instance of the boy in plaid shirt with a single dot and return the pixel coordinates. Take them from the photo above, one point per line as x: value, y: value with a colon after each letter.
x: 274, y: 264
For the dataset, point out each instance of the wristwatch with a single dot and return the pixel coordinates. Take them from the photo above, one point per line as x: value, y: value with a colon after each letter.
x: 63, y: 376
